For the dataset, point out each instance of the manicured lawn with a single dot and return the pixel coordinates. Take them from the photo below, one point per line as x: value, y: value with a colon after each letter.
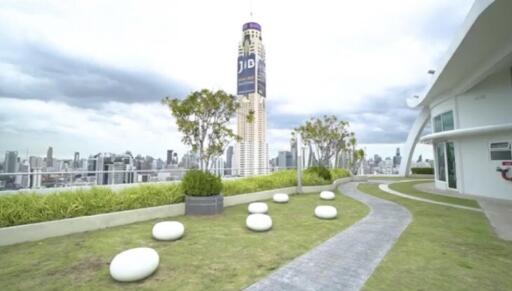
x: 408, y: 188
x: 443, y: 249
x: 216, y: 253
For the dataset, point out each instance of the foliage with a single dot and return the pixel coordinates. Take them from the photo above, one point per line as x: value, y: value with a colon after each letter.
x: 423, y: 171
x: 339, y: 173
x: 200, y: 183
x: 30, y: 208
x: 203, y: 118
x: 322, y: 172
x: 323, y: 136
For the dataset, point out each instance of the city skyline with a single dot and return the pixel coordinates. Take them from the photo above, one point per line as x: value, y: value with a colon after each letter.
x: 57, y: 88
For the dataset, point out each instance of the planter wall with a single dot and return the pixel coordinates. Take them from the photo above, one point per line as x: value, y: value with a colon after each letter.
x: 204, y: 205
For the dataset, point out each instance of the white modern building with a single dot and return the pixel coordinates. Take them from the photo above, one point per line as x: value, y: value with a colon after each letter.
x: 469, y: 106
x: 251, y: 153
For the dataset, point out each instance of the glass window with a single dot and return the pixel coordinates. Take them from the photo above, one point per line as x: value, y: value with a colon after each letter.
x: 441, y: 172
x: 447, y: 118
x: 443, y: 122
x: 438, y: 125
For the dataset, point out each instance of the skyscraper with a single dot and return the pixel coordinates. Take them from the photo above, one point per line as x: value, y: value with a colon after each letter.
x: 169, y: 157
x: 76, y: 160
x: 229, y: 161
x: 252, y: 151
x: 11, y: 162
x: 49, y: 157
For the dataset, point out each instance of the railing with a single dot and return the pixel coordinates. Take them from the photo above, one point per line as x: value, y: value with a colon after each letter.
x: 36, y: 179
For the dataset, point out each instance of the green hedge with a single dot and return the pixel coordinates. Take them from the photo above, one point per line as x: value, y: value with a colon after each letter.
x: 423, y: 171
x: 31, y: 208
x: 200, y: 183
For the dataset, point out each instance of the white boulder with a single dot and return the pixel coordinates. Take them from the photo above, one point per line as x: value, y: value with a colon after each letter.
x: 281, y: 198
x: 134, y: 264
x: 327, y: 195
x: 258, y: 222
x: 258, y: 207
x: 326, y: 212
x: 168, y: 230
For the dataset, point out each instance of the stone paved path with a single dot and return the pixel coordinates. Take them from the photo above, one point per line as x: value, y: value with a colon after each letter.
x: 345, y: 261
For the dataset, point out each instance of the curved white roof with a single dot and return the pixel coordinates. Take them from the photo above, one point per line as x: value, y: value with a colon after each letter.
x: 482, y: 47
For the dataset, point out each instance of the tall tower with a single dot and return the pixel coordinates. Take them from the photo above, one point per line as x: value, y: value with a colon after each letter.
x: 251, y: 155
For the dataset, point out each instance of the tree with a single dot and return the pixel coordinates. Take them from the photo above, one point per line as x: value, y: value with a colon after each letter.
x: 203, y: 117
x: 325, y: 138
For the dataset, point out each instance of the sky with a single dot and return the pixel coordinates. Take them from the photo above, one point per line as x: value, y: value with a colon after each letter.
x: 88, y: 76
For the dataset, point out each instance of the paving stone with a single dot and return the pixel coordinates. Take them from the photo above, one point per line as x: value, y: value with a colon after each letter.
x: 345, y: 261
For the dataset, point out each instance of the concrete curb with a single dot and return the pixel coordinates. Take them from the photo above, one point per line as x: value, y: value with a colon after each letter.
x: 38, y: 231
x: 386, y: 189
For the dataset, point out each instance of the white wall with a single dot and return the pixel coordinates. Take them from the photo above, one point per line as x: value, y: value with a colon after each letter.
x: 488, y: 103
x: 479, y: 176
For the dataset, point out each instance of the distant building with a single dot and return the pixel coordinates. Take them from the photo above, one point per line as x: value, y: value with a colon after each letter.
x: 170, y: 156
x: 76, y: 160
x: 49, y: 157
x: 229, y: 161
x: 11, y: 162
x: 397, y: 159
x: 35, y: 162
x: 284, y: 160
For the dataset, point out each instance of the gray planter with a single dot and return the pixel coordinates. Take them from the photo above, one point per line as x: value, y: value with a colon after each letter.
x: 204, y: 205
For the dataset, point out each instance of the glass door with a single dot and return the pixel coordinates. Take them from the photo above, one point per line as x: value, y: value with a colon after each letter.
x: 450, y: 163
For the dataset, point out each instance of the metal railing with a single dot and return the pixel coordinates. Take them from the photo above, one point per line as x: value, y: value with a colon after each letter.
x: 37, y: 179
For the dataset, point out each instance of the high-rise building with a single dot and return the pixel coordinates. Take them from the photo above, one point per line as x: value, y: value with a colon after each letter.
x: 397, y: 159
x: 284, y: 160
x: 252, y: 151
x: 169, y: 157
x: 229, y: 161
x: 76, y: 161
x: 11, y: 162
x: 49, y: 157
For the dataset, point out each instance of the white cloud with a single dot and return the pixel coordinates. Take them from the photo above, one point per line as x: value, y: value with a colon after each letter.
x: 115, y: 127
x: 334, y: 57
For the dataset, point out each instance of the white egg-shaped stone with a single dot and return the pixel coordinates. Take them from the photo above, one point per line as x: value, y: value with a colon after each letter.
x: 168, y: 230
x: 134, y: 264
x: 326, y: 212
x: 281, y: 198
x: 258, y: 207
x: 327, y: 195
x: 258, y: 222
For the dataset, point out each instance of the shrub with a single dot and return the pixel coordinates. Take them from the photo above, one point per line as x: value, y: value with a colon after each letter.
x: 339, y: 173
x: 322, y: 172
x: 281, y: 179
x: 199, y: 183
x: 423, y: 171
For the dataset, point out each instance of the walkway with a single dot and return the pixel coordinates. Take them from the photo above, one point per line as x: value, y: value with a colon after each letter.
x: 498, y: 211
x: 386, y: 189
x: 345, y: 261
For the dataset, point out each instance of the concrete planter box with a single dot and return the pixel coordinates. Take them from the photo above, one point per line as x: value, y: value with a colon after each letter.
x: 204, y: 205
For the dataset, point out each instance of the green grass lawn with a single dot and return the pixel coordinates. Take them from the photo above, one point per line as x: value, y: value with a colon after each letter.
x: 216, y: 253
x: 443, y: 249
x: 408, y: 188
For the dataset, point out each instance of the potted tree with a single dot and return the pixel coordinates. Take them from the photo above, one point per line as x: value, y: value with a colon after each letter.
x: 202, y: 193
x: 203, y: 118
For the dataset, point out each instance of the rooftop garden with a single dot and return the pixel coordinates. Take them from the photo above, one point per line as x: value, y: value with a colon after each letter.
x: 216, y: 253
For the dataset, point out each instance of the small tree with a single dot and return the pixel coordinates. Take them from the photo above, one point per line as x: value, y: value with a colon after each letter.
x: 325, y: 138
x: 203, y: 118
